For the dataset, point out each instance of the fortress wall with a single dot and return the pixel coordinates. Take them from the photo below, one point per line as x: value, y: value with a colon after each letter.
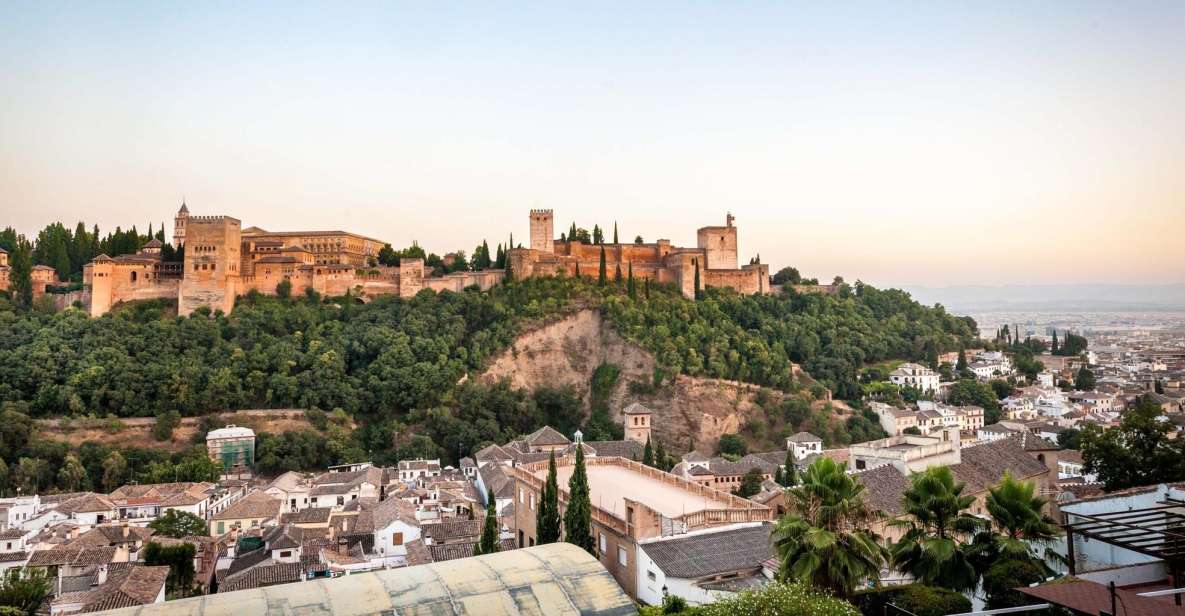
x: 748, y: 281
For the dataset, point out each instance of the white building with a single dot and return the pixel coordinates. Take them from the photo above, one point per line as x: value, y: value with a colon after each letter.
x: 704, y: 566
x: 916, y: 376
x: 804, y: 444
x: 395, y: 526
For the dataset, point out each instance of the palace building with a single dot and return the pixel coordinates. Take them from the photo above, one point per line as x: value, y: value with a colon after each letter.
x: 223, y: 260
x: 714, y: 258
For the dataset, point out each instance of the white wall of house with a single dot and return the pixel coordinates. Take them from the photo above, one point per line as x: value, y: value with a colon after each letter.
x: 385, y: 545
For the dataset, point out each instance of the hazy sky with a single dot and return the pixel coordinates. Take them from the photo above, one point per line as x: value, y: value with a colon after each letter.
x: 939, y: 144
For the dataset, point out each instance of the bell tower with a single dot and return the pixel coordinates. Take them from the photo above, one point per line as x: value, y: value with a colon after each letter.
x: 179, y: 225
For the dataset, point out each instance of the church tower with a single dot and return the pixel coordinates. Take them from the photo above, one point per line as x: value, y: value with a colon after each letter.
x: 179, y: 225
x: 637, y: 423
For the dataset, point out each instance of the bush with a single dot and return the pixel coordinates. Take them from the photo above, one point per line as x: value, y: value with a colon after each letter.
x: 1005, y: 575
x: 166, y: 422
x: 774, y: 599
x: 731, y: 444
x: 921, y: 600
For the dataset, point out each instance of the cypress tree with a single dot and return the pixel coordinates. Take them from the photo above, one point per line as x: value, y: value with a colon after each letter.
x: 1053, y: 349
x: 698, y: 294
x: 578, y: 517
x: 509, y: 275
x: 630, y: 288
x: 615, y: 232
x: 572, y: 233
x: 601, y: 278
x: 646, y: 288
x: 790, y: 477
x: 660, y: 457
x: 578, y: 269
x: 489, y: 532
x: 21, y: 282
x: 779, y: 478
x: 547, y: 517
x: 648, y: 454
x: 617, y: 275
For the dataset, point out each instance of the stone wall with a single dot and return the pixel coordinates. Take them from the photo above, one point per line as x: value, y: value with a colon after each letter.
x: 212, y: 259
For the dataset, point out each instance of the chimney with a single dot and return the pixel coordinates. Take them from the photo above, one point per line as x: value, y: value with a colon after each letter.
x: 126, y: 530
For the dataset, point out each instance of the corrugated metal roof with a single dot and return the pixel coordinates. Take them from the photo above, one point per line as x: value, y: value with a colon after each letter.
x: 557, y: 578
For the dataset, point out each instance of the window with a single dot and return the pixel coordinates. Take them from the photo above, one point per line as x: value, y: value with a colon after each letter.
x: 532, y: 501
x: 341, y: 500
x: 604, y: 546
x: 397, y: 538
x: 521, y: 495
x: 650, y: 576
x: 623, y: 557
x: 286, y: 554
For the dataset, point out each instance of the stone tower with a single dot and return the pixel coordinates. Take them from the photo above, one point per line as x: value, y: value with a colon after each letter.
x: 637, y: 423
x: 211, y: 268
x: 542, y: 230
x: 719, y: 245
x: 179, y: 225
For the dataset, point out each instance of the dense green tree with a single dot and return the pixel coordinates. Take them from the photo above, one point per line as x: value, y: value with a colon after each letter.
x: 578, y: 515
x: 1069, y: 438
x: 166, y: 422
x: 115, y: 471
x: 648, y: 454
x: 179, y: 559
x: 1084, y: 380
x: 615, y: 232
x: 284, y: 289
x: 630, y: 288
x: 1137, y: 452
x: 660, y: 458
x: 731, y: 445
x: 72, y: 476
x: 824, y: 539
x: 601, y: 274
x: 933, y: 548
x: 790, y: 475
x: 787, y: 275
x: 21, y: 275
x: 972, y: 392
x: 750, y: 483
x: 489, y: 542
x: 24, y: 589
x: 178, y: 524
x: 547, y: 517
x: 1054, y: 347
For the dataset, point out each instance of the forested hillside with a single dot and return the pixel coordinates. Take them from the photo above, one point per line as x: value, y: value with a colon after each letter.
x: 400, y: 366
x: 754, y: 338
x: 394, y: 355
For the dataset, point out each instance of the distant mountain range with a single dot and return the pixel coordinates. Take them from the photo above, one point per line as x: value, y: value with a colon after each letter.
x: 1074, y: 297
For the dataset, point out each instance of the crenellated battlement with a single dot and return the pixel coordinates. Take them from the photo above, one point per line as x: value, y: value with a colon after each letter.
x: 542, y: 212
x: 213, y: 219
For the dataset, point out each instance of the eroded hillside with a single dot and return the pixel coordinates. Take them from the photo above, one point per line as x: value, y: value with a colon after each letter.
x: 689, y: 413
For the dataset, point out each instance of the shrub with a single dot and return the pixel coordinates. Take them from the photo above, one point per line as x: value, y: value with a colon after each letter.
x: 1005, y: 575
x: 921, y: 600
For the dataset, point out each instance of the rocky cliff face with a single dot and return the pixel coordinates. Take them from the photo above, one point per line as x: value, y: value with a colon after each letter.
x: 689, y: 413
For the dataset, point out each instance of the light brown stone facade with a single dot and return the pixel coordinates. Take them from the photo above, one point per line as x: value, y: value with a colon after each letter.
x: 715, y: 256
x: 223, y: 261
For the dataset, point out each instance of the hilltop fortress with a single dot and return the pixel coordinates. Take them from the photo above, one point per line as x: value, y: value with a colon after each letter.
x: 714, y: 258
x: 222, y: 260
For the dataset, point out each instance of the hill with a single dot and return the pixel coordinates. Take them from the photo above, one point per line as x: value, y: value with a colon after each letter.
x: 423, y: 376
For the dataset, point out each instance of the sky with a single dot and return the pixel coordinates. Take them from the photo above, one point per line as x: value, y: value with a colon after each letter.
x: 898, y: 143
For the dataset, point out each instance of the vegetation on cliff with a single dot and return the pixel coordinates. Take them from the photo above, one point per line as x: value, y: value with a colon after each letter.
x: 400, y: 365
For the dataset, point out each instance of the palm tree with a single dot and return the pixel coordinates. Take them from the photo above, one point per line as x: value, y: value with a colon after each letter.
x: 824, y: 539
x: 1019, y: 524
x: 933, y: 549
